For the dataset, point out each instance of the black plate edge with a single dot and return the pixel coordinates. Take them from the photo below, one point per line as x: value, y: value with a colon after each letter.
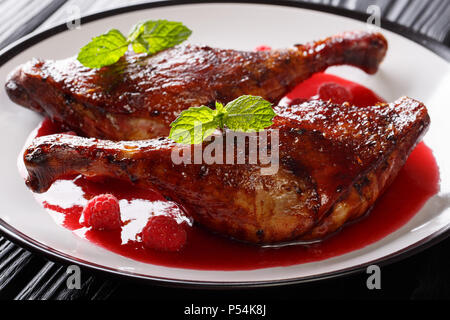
x: 32, y: 245
x: 23, y: 240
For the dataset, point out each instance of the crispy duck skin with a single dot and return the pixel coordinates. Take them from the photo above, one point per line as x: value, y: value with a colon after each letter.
x: 335, y: 161
x: 138, y: 97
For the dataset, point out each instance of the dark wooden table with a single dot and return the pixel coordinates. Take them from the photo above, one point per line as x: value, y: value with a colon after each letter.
x: 26, y: 275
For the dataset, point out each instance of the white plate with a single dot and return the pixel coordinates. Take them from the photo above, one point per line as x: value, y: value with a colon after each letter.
x: 409, y: 69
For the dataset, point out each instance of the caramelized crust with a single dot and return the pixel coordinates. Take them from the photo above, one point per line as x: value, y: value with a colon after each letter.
x: 138, y: 97
x: 335, y: 161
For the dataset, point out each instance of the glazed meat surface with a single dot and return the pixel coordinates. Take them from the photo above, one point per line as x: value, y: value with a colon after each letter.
x: 334, y: 162
x: 138, y: 97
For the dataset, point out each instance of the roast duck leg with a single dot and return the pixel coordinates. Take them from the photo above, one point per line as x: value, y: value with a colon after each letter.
x: 334, y: 162
x: 138, y: 97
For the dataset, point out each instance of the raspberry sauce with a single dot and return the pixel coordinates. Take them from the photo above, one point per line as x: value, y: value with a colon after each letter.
x: 414, y: 185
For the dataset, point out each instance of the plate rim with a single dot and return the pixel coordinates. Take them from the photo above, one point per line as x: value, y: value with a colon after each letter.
x: 33, y: 245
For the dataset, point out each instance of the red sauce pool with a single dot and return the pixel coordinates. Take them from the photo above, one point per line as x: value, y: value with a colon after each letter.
x: 415, y: 184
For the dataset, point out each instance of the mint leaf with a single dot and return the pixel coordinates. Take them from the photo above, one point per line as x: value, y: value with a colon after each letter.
x: 193, y: 125
x: 103, y: 50
x: 248, y: 114
x: 154, y: 36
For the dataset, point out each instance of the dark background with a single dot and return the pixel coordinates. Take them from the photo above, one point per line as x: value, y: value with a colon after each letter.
x: 426, y: 275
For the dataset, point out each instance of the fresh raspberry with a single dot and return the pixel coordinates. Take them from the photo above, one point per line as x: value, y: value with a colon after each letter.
x: 263, y: 48
x: 334, y: 92
x: 102, y: 213
x: 164, y: 233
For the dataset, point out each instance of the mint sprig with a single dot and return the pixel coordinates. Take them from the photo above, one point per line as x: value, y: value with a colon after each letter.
x: 246, y: 113
x: 148, y: 37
